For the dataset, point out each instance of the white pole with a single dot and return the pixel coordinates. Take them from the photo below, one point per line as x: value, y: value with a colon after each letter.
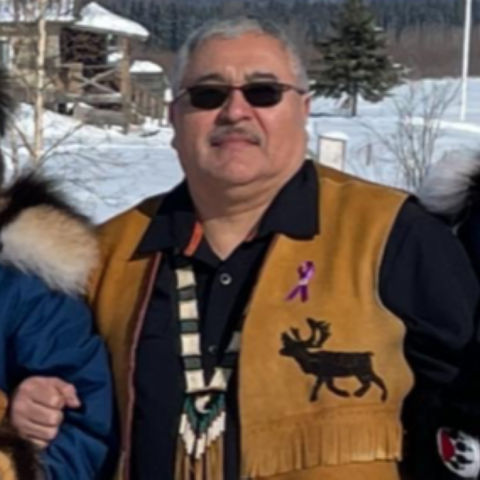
x: 466, y: 57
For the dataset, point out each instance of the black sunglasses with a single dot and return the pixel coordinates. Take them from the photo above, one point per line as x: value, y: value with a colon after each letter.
x: 260, y: 95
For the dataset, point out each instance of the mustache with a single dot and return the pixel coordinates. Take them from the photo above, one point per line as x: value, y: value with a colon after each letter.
x: 223, y: 132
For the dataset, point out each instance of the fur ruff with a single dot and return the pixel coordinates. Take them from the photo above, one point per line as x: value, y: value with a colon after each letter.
x: 42, y: 235
x: 452, y: 186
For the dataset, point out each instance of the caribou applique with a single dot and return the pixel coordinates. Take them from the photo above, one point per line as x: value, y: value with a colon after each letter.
x: 327, y: 366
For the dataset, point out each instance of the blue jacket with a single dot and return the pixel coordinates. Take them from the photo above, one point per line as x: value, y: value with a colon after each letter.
x: 46, y: 328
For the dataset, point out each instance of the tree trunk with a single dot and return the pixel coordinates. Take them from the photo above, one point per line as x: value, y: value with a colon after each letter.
x: 40, y: 81
x: 126, y: 86
x: 354, y: 102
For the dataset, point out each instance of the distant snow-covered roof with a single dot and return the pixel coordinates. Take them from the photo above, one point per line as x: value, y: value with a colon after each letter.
x: 145, y: 67
x: 92, y: 17
x: 95, y: 18
x: 57, y: 11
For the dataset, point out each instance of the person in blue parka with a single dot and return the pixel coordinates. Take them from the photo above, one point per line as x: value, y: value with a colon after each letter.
x: 47, y: 250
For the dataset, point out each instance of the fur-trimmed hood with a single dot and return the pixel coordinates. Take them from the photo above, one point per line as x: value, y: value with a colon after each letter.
x: 452, y: 186
x: 42, y: 235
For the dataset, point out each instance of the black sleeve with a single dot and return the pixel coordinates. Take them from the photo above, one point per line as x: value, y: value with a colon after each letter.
x: 469, y: 234
x: 427, y: 281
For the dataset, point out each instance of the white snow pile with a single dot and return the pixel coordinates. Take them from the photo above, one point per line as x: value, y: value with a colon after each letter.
x: 145, y: 67
x: 114, y: 57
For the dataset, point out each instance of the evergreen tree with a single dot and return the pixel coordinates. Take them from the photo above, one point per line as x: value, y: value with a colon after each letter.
x: 354, y: 58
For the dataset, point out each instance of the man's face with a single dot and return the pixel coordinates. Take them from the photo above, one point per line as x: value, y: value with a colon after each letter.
x: 237, y: 143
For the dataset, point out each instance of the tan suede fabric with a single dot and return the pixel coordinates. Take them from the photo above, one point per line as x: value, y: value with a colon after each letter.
x: 282, y: 429
x: 7, y: 472
x: 354, y: 471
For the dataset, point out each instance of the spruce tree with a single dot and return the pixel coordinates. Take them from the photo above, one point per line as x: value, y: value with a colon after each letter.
x: 354, y: 59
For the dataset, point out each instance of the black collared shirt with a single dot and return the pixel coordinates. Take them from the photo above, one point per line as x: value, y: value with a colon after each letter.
x: 425, y: 280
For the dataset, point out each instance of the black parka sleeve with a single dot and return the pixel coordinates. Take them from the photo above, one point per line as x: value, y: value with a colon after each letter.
x: 427, y: 280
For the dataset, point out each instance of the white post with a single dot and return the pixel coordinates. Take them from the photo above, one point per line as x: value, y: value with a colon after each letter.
x: 466, y: 57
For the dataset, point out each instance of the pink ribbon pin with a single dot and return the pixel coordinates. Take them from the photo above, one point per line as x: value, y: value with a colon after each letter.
x: 305, y: 273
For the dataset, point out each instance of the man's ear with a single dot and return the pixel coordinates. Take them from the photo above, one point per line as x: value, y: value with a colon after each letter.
x: 307, y: 104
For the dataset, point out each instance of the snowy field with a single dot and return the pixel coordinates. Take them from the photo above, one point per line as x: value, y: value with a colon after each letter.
x: 455, y: 136
x: 106, y: 172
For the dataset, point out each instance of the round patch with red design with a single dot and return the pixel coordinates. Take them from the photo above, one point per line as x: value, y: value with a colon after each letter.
x: 459, y: 452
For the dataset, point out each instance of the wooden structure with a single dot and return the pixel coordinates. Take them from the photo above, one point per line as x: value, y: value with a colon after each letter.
x: 79, y: 42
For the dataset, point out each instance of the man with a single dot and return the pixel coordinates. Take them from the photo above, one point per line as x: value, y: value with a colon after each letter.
x: 47, y: 252
x: 268, y: 318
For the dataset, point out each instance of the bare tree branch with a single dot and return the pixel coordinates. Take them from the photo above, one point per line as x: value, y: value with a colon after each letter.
x: 419, y: 115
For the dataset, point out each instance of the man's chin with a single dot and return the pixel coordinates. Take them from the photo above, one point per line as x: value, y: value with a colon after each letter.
x: 236, y: 171
x: 235, y: 177
x: 235, y: 180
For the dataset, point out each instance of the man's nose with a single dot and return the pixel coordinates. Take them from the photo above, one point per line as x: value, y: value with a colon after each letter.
x: 236, y: 108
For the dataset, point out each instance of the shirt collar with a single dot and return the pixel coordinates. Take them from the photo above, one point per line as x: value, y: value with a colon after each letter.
x: 295, y: 210
x: 294, y: 213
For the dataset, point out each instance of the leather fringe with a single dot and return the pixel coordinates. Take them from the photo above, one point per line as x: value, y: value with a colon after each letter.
x: 319, y: 442
x: 209, y: 467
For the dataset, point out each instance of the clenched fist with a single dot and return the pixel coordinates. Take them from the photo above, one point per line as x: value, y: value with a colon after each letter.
x: 36, y: 408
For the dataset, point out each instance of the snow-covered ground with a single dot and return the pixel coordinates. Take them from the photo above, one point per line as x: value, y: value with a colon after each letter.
x: 367, y: 158
x: 106, y: 172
